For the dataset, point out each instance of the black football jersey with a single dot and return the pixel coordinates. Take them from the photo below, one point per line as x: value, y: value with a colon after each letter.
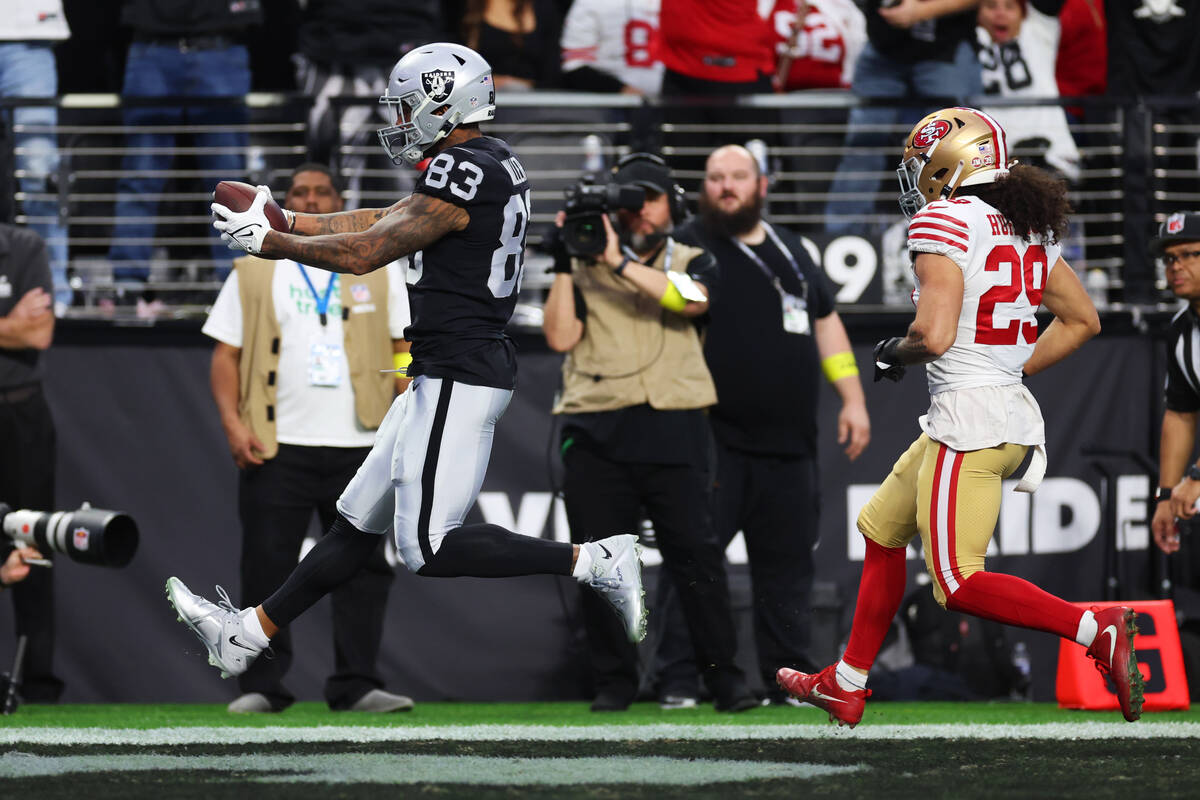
x: 463, y: 287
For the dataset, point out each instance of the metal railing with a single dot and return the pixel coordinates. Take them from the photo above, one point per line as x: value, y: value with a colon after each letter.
x: 1139, y: 161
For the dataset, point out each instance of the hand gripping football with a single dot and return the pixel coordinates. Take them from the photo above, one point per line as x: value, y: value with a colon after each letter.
x: 237, y: 196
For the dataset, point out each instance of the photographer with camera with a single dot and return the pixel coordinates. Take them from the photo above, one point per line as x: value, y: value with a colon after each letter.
x: 635, y: 386
x: 27, y: 431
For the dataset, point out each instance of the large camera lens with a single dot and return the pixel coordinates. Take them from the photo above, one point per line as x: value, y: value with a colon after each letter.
x: 584, y: 235
x: 87, y: 535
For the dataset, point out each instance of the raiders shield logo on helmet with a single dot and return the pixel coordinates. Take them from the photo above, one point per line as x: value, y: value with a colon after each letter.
x: 935, y: 130
x: 438, y: 84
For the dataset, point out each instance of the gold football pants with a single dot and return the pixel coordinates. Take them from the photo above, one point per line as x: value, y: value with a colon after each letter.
x: 951, y: 498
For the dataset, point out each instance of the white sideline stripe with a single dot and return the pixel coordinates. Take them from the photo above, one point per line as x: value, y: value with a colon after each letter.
x: 384, y: 768
x: 1056, y: 731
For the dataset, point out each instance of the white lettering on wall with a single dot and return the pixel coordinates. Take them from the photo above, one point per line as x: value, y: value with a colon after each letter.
x: 1132, y: 493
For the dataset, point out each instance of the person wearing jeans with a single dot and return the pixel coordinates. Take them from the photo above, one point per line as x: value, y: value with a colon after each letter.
x: 904, y: 58
x: 179, y: 49
x: 29, y: 29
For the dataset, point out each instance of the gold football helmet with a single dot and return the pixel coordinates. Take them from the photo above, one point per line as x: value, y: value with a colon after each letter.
x: 950, y: 148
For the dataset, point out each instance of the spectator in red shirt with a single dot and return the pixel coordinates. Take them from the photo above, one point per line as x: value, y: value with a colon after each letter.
x: 712, y: 48
x: 820, y: 54
x: 1082, y: 68
x: 715, y: 47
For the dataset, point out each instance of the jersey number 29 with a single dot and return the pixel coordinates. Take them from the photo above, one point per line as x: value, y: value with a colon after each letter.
x: 1028, y: 277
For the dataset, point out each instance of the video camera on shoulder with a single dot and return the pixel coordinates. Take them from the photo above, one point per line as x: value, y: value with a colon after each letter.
x: 87, y: 535
x: 587, y: 202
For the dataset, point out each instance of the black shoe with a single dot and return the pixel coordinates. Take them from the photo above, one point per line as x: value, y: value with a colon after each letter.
x: 611, y: 702
x: 742, y: 702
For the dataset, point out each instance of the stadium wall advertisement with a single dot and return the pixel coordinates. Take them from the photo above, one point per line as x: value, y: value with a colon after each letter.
x: 138, y: 432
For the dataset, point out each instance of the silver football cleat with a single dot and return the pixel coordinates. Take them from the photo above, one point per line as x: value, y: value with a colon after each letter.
x: 616, y: 574
x: 219, y: 626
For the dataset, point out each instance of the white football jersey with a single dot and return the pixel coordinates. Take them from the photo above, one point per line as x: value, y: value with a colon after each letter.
x: 1003, y: 280
x: 619, y: 37
x: 1025, y: 67
x: 977, y: 398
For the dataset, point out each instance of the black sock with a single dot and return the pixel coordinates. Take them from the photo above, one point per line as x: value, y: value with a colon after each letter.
x: 489, y: 551
x: 333, y: 560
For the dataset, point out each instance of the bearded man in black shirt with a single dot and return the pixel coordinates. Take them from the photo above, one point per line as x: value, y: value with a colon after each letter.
x: 773, y: 331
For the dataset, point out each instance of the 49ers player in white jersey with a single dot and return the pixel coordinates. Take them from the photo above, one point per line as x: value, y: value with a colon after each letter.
x: 983, y: 234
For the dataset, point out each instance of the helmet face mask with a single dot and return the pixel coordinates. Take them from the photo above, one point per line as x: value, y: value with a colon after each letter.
x: 909, y: 173
x: 431, y: 91
x: 949, y: 149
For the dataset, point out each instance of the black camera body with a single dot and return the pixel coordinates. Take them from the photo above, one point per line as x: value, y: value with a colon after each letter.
x: 87, y: 535
x: 587, y: 203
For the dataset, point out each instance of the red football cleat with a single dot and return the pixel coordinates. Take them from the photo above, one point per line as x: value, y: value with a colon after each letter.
x: 822, y: 690
x: 1113, y: 650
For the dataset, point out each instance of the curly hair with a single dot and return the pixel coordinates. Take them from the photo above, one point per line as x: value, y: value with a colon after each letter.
x: 1032, y: 199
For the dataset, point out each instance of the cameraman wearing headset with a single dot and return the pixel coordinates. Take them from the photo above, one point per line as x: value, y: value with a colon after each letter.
x: 634, y: 435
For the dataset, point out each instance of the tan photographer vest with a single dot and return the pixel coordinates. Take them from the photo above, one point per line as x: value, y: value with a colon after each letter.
x: 633, y: 351
x: 365, y: 333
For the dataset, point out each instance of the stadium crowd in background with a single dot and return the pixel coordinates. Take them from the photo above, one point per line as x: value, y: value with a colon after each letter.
x: 916, y: 50
x: 180, y: 48
x: 1018, y: 51
x: 345, y: 48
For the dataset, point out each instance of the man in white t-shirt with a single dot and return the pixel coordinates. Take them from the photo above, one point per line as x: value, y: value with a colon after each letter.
x: 297, y: 375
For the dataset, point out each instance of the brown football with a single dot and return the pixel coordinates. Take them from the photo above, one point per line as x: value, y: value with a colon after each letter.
x: 238, y: 196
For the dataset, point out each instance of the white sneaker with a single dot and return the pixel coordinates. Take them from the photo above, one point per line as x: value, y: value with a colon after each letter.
x: 616, y: 574
x: 251, y: 703
x: 219, y: 626
x: 379, y: 701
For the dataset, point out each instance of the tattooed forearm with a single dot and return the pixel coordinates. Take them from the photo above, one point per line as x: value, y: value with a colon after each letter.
x: 343, y: 221
x: 417, y: 224
x: 913, y: 349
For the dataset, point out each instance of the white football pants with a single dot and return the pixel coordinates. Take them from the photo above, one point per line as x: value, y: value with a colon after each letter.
x: 427, y: 465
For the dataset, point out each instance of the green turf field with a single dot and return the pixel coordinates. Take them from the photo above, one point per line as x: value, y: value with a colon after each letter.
x: 545, y: 750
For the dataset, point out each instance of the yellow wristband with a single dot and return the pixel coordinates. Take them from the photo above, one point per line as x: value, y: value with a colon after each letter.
x: 838, y: 366
x: 401, y: 362
x: 672, y: 300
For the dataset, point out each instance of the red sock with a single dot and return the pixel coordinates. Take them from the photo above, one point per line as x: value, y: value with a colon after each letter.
x: 880, y: 592
x: 1014, y: 601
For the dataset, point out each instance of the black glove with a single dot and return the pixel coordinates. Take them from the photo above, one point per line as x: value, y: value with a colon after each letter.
x: 887, y: 365
x: 553, y: 244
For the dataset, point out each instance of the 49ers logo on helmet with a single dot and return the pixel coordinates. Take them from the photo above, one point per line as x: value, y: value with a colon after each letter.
x: 930, y: 133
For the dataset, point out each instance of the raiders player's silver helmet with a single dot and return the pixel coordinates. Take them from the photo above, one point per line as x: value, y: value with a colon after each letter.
x: 435, y: 88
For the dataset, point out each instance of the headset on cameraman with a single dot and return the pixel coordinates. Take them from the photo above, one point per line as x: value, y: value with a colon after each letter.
x: 676, y: 197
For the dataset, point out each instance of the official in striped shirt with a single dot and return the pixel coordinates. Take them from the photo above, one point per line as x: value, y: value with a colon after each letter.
x: 1178, y: 245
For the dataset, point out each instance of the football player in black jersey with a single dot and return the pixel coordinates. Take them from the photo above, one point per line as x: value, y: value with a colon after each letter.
x: 463, y: 233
